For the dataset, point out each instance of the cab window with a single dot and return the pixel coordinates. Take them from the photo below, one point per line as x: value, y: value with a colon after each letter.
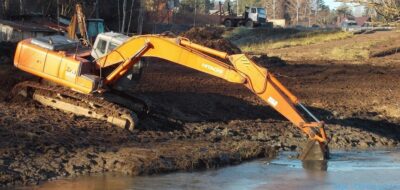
x: 111, y: 47
x: 253, y: 10
x: 101, y: 46
x: 261, y: 11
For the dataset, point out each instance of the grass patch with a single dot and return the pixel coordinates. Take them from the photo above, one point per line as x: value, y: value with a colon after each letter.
x: 243, y: 36
x: 297, y: 39
x: 309, y: 39
x: 339, y: 53
x: 323, y: 43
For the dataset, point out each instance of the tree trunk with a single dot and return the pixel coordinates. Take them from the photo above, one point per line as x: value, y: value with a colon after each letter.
x: 297, y: 11
x: 97, y: 9
x: 2, y: 11
x: 316, y: 10
x: 274, y: 8
x: 123, y: 16
x: 140, y: 18
x: 21, y: 7
x: 309, y: 14
x: 119, y: 15
x: 130, y: 18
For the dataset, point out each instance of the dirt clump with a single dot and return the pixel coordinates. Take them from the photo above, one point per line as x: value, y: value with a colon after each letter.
x: 211, y: 37
x: 7, y: 50
x: 266, y: 61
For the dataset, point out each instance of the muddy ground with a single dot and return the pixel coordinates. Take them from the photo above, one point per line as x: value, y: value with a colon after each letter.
x: 197, y: 122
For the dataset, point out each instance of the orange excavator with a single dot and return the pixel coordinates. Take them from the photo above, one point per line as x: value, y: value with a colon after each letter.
x: 89, y: 82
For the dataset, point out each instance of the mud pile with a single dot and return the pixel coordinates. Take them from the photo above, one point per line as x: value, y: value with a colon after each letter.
x: 266, y: 61
x: 7, y: 50
x: 10, y: 76
x: 211, y: 37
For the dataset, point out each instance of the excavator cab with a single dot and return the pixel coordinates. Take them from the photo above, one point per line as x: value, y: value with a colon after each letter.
x: 107, y: 42
x: 94, y: 28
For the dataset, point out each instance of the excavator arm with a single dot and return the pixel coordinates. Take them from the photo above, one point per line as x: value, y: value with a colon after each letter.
x: 241, y: 70
x: 78, y: 20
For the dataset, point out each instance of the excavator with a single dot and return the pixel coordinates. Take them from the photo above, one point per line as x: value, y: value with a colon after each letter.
x: 84, y: 29
x: 89, y: 81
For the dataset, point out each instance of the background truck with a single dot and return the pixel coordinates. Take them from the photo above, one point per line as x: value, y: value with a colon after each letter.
x: 350, y: 26
x: 253, y: 16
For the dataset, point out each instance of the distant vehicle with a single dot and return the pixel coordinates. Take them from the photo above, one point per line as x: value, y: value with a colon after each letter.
x: 252, y: 17
x: 350, y: 26
x: 315, y: 26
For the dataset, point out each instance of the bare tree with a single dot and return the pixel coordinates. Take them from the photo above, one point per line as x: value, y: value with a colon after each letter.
x: 130, y: 17
x: 140, y: 17
x: 123, y: 15
x: 297, y: 10
x: 119, y: 15
x: 2, y: 10
x: 21, y: 7
x: 388, y: 9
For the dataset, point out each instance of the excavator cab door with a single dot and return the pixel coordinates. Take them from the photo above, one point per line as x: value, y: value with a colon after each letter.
x: 253, y: 14
x: 107, y: 42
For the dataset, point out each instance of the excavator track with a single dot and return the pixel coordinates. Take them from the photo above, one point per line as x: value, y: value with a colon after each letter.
x: 77, y: 103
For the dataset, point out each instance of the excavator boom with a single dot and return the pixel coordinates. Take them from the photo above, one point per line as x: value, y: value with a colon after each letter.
x: 237, y: 68
x: 242, y: 70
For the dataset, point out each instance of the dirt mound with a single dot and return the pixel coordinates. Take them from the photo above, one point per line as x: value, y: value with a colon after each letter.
x: 212, y: 38
x: 10, y: 76
x: 7, y: 50
x: 266, y: 61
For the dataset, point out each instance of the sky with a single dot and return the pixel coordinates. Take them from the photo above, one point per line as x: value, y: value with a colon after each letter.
x: 332, y: 4
x: 357, y: 10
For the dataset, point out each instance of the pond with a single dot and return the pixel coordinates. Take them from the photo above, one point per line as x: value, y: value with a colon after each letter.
x: 345, y: 170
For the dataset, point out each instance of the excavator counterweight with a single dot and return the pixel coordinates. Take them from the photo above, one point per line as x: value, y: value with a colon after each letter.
x: 94, y: 73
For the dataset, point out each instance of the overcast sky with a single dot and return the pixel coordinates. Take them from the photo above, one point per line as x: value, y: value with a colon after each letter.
x: 332, y: 4
x: 357, y: 10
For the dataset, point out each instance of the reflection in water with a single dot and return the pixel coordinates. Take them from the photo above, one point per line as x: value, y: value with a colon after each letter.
x: 345, y: 170
x: 315, y: 165
x: 109, y: 181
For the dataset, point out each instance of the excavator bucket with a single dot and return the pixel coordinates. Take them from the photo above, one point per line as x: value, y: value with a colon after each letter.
x: 314, y: 151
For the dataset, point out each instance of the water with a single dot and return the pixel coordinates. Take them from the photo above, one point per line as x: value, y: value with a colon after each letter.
x: 346, y: 170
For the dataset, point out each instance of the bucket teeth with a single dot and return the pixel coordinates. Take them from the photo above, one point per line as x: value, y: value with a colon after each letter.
x: 314, y: 151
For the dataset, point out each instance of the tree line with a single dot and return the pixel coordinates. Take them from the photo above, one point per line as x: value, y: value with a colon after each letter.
x: 124, y: 15
x: 388, y: 10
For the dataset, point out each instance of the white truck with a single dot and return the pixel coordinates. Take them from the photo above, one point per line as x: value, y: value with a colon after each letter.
x: 350, y: 26
x: 253, y: 16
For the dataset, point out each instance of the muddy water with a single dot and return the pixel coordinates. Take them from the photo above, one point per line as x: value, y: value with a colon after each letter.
x: 345, y: 170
